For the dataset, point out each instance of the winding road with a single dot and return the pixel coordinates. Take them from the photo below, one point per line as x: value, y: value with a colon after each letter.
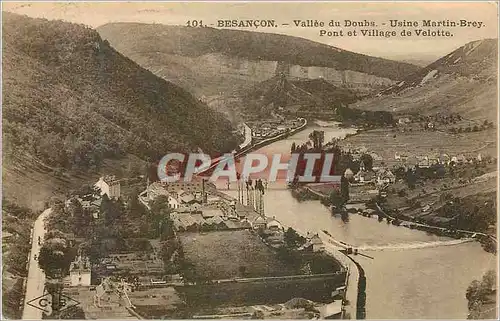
x: 36, y: 277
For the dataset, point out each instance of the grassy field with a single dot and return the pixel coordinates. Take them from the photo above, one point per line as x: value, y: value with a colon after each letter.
x: 221, y: 255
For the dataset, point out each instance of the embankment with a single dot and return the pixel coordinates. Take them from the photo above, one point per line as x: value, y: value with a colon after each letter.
x: 441, y: 231
x: 361, y: 298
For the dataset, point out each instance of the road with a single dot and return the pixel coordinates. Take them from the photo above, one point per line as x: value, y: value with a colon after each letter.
x: 36, y: 277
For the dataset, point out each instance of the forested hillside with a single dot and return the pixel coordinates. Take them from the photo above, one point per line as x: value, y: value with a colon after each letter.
x: 71, y: 101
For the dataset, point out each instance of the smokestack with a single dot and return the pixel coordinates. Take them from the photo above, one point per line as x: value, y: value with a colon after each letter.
x: 203, y: 193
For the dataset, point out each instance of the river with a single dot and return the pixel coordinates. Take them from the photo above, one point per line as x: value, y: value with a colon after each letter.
x: 413, y: 275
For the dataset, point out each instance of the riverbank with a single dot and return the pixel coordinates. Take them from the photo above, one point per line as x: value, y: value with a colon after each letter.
x: 482, y: 238
x: 253, y: 146
x: 306, y: 193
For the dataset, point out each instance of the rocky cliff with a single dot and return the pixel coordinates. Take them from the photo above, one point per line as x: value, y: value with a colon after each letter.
x: 210, y: 61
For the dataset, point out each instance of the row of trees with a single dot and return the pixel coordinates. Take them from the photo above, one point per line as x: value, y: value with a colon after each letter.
x: 342, y: 160
x: 439, y: 118
x: 468, y: 129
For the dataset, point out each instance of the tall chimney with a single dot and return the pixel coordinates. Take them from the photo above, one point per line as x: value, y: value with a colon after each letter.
x: 203, y: 193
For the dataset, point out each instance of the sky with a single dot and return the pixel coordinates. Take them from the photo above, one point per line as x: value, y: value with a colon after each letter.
x: 95, y: 14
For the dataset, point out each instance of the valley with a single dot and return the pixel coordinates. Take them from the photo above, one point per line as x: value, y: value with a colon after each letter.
x: 88, y: 112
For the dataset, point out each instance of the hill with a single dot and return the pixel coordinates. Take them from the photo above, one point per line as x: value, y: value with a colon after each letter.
x: 194, y: 42
x: 217, y: 62
x: 298, y: 95
x: 464, y: 82
x: 71, y: 103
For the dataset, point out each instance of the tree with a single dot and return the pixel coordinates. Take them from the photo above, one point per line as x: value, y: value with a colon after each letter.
x: 317, y: 137
x: 367, y: 159
x: 135, y: 208
x: 166, y: 229
x: 472, y: 292
x: 411, y: 179
x: 111, y: 210
x: 336, y: 199
x: 54, y: 257
x: 293, y: 239
x: 344, y: 188
x: 243, y: 270
x: 160, y: 204
x: 489, y: 281
x: 478, y: 292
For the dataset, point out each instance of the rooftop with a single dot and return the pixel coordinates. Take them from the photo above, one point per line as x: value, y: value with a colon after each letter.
x: 109, y: 179
x: 211, y: 212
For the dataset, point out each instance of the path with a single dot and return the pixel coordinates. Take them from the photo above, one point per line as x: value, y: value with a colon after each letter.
x: 352, y: 278
x: 36, y: 277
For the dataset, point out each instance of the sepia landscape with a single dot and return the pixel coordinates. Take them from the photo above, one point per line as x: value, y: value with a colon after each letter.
x: 91, y: 231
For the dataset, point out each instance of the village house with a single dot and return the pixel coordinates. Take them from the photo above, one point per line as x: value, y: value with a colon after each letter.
x: 195, y: 185
x: 189, y: 208
x: 95, y: 208
x: 173, y: 203
x: 404, y: 121
x: 424, y: 162
x: 215, y: 222
x: 208, y: 212
x: 348, y: 174
x: 245, y: 223
x: 316, y: 243
x: 80, y: 272
x: 400, y: 156
x: 109, y: 185
x: 274, y: 226
x: 364, y: 176
x: 157, y: 189
x: 184, y: 197
x: 461, y: 159
x: 385, y: 176
x: 259, y: 222
x: 213, y: 200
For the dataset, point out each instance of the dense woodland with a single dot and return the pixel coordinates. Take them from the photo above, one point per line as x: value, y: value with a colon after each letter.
x: 71, y: 100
